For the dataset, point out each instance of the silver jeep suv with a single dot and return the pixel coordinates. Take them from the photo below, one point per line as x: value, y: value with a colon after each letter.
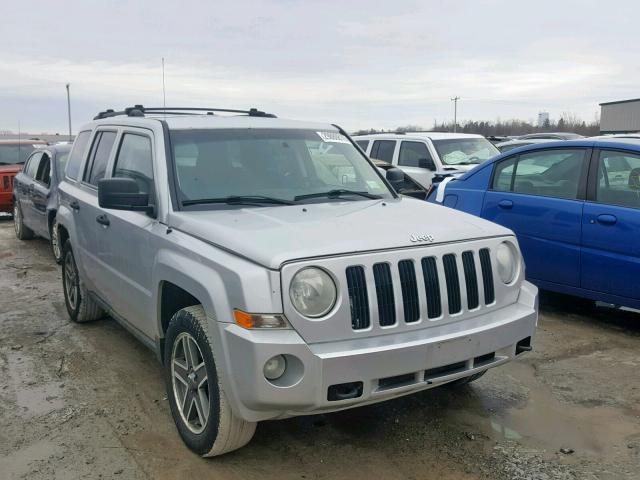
x: 275, y: 271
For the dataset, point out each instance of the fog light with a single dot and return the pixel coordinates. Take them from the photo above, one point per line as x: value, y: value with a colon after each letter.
x: 274, y: 367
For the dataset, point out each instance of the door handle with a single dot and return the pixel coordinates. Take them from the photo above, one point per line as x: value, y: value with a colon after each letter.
x: 506, y: 204
x: 74, y: 205
x: 607, y: 219
x: 103, y: 220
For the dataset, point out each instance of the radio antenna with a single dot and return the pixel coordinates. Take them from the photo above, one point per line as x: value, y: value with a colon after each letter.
x: 164, y: 92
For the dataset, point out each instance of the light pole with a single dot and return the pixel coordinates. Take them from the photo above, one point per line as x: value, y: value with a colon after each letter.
x: 69, y: 110
x: 455, y: 113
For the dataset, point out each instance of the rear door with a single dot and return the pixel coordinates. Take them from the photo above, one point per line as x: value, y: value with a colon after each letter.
x: 611, y: 225
x: 540, y: 196
x: 414, y: 158
x: 39, y: 193
x: 88, y: 210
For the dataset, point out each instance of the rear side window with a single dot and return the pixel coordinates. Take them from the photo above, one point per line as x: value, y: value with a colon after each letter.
x: 77, y: 154
x: 135, y: 161
x: 43, y: 174
x: 32, y: 165
x: 549, y: 173
x: 383, y: 150
x: 99, y: 156
x: 363, y: 144
x: 618, y: 179
x: 415, y: 154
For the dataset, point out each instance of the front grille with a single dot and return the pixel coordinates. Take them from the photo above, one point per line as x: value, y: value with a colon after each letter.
x: 413, y: 299
x: 384, y: 293
x: 357, y: 285
x: 471, y: 280
x: 453, y: 283
x: 487, y: 276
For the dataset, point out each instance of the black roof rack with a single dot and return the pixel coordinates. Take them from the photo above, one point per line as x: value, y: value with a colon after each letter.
x: 139, y: 111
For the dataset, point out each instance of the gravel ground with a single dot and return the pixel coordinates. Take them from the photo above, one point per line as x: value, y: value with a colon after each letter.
x: 88, y: 401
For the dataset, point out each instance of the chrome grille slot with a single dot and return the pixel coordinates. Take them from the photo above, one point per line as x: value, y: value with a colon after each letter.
x: 384, y: 294
x: 357, y: 286
x: 471, y: 280
x: 487, y: 276
x: 453, y: 283
x: 409, y: 285
x: 432, y: 287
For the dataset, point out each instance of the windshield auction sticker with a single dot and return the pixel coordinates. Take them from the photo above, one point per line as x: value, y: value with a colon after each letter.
x: 332, y: 137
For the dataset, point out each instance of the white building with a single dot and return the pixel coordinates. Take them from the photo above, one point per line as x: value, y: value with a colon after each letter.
x: 622, y: 116
x: 543, y: 117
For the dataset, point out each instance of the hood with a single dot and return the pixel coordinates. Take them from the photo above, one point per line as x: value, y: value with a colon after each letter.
x: 272, y: 236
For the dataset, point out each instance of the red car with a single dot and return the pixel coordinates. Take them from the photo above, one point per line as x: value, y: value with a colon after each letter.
x: 13, y: 153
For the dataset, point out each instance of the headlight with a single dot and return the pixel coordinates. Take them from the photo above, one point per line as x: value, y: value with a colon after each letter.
x: 507, y: 259
x: 312, y: 292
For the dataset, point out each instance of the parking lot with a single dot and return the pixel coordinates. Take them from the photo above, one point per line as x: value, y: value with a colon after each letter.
x: 89, y: 401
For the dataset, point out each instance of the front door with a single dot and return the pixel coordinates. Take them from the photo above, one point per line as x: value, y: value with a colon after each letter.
x: 539, y: 195
x: 611, y: 226
x: 40, y: 196
x: 414, y: 158
x: 125, y: 245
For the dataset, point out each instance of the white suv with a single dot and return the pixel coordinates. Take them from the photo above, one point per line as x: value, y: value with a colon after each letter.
x: 421, y: 154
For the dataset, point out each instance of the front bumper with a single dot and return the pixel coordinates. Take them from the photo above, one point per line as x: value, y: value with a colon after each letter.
x: 380, y: 367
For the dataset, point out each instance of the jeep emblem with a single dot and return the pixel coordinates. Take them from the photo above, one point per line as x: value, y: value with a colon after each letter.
x: 421, y: 238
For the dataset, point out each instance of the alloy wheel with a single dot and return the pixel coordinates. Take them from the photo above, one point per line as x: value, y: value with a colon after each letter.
x: 55, y: 244
x: 71, y: 281
x: 190, y: 382
x: 17, y: 220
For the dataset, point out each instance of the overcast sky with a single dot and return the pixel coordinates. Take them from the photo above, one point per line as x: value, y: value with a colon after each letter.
x: 357, y: 63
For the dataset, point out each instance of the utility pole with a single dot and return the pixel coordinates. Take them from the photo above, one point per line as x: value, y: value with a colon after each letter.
x: 455, y: 113
x: 69, y: 110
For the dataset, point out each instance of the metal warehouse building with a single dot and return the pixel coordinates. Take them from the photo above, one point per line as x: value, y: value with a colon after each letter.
x: 622, y: 116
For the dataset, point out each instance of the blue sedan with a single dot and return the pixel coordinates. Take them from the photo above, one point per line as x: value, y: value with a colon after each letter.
x: 575, y: 208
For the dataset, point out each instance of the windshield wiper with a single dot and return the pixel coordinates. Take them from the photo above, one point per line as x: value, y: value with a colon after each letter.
x: 337, y: 193
x: 239, y: 200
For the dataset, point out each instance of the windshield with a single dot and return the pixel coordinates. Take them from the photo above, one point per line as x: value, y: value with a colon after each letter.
x: 283, y: 165
x: 465, y: 151
x: 15, y: 154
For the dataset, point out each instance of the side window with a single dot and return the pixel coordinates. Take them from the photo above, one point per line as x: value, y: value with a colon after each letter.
x: 43, y: 174
x: 503, y: 175
x: 99, y: 156
x: 383, y: 150
x: 363, y: 144
x: 549, y: 173
x: 32, y: 165
x: 618, y: 179
x: 77, y: 154
x: 415, y: 154
x: 135, y: 161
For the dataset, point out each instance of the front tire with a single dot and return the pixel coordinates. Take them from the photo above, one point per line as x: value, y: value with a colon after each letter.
x: 199, y: 405
x: 22, y: 231
x: 80, y: 306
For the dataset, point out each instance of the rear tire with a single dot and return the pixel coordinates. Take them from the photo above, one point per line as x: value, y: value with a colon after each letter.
x: 80, y: 306
x: 199, y: 405
x: 54, y: 241
x: 466, y: 380
x: 22, y: 231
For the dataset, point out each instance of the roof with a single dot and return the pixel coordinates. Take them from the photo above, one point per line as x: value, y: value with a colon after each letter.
x: 420, y: 135
x: 185, y: 122
x: 524, y: 141
x: 621, y: 101
x: 631, y: 144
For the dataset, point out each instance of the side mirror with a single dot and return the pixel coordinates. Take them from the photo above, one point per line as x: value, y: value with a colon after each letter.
x: 123, y: 194
x: 395, y: 176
